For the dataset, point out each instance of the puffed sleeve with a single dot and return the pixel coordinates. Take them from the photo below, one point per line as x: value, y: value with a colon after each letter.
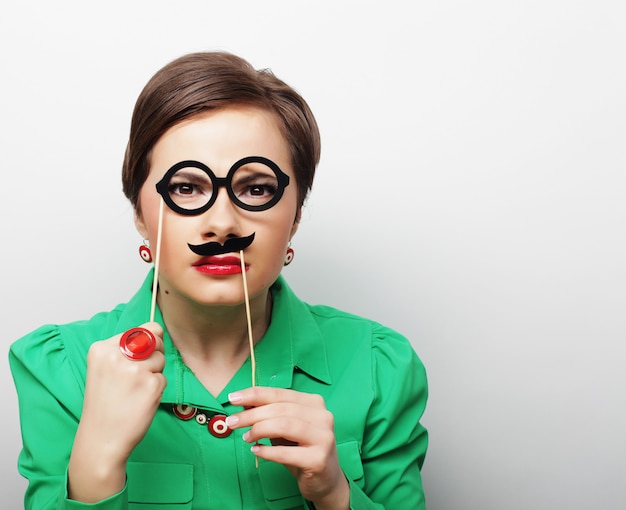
x: 395, y: 442
x: 50, y: 389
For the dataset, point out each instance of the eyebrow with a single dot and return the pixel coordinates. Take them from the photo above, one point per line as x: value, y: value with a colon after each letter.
x: 198, y: 176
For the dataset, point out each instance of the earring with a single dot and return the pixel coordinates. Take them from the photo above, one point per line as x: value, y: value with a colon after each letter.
x: 145, y: 253
x: 288, y: 256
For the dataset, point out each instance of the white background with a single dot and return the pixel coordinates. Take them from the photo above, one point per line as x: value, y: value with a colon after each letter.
x: 470, y: 195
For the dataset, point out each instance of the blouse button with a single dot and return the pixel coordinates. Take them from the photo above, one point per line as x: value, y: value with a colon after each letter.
x: 184, y: 412
x: 201, y: 418
x: 218, y: 427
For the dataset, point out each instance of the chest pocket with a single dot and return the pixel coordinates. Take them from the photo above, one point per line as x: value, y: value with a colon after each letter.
x: 349, y: 454
x: 154, y: 486
x: 281, y: 489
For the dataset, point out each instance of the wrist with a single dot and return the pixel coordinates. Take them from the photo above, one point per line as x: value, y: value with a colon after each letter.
x: 337, y: 499
x: 96, y: 470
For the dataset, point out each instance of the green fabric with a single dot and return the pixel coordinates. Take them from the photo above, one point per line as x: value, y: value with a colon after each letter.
x: 370, y: 377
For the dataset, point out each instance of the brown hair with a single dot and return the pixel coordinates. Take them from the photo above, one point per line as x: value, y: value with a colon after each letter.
x: 199, y: 82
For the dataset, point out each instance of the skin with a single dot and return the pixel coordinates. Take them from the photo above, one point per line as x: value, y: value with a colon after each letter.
x: 206, y: 319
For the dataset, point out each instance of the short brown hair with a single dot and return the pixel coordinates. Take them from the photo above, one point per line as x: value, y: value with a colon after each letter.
x: 199, y: 82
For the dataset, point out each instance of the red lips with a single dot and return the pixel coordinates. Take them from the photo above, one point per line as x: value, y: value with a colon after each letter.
x: 217, y: 265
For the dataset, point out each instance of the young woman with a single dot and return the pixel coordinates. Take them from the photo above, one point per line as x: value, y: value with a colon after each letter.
x: 215, y: 386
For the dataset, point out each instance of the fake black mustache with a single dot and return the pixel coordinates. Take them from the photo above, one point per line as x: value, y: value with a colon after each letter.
x: 231, y: 245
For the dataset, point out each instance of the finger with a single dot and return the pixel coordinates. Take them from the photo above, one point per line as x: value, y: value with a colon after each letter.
x: 286, y: 455
x: 300, y: 457
x: 156, y: 329
x: 281, y: 441
x: 155, y: 363
x: 140, y: 347
x: 313, y: 416
x: 148, y: 337
x: 160, y: 382
x: 149, y: 388
x: 291, y: 429
x: 139, y: 343
x: 262, y: 395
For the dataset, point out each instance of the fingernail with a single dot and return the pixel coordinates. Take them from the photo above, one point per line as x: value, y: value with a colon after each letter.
x: 245, y: 436
x: 235, y: 397
x: 254, y: 448
x: 231, y: 421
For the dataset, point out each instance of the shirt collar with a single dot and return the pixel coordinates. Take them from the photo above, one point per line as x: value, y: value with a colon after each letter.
x: 294, y: 331
x: 293, y: 342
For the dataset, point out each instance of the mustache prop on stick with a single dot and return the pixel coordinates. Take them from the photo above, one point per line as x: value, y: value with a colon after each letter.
x: 230, y: 246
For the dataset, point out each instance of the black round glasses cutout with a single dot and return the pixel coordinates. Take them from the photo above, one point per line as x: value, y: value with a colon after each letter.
x: 218, y: 182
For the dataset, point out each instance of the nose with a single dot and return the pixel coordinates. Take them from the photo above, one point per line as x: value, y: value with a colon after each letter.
x: 221, y: 220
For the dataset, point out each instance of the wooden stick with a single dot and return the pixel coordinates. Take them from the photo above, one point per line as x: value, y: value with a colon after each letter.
x: 157, y: 260
x: 247, y: 298
x: 250, y: 338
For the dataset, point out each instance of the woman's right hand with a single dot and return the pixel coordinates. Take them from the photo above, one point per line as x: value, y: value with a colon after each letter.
x: 121, y: 399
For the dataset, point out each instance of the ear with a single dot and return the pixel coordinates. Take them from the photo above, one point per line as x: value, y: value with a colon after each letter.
x: 140, y: 224
x: 296, y: 223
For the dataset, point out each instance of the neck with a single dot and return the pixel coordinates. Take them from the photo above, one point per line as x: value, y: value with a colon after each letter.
x: 213, y: 340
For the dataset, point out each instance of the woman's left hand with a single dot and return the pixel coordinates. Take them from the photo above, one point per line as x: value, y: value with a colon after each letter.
x: 302, y: 434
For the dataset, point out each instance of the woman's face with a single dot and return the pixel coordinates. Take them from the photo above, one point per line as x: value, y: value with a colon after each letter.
x: 218, y: 139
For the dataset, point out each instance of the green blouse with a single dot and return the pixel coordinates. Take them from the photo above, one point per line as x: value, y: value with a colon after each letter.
x: 370, y: 377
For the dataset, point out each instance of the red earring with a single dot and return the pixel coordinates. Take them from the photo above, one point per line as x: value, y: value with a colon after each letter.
x: 288, y: 256
x: 145, y: 253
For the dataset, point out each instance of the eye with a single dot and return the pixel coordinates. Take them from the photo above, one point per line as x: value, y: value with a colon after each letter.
x: 262, y: 189
x: 185, y: 188
x: 254, y: 188
x: 189, y: 184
